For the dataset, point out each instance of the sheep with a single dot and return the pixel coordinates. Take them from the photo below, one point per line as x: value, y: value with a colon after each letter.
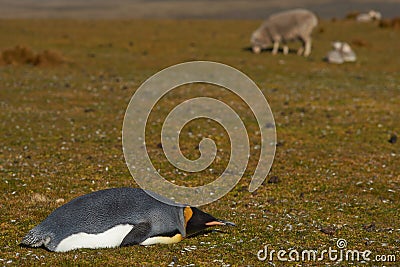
x: 341, y: 53
x: 291, y: 25
x: 371, y: 15
x: 334, y: 56
x: 348, y: 54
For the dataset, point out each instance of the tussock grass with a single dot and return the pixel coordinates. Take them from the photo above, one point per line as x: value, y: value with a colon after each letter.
x: 21, y: 54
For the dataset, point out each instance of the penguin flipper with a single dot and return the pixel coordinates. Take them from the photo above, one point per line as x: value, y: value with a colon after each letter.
x: 137, y: 235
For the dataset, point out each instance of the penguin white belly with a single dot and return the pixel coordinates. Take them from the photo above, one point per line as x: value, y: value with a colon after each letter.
x: 162, y: 240
x: 111, y: 238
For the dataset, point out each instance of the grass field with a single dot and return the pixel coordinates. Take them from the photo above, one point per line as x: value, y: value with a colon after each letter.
x: 338, y: 175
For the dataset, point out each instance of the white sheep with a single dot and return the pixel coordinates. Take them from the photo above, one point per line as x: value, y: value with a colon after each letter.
x: 371, y: 15
x: 341, y: 53
x: 296, y: 24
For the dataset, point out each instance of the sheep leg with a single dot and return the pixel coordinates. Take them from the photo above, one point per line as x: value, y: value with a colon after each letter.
x: 300, y: 50
x: 285, y: 50
x: 256, y: 49
x: 303, y: 41
x: 275, y: 48
x: 307, y: 48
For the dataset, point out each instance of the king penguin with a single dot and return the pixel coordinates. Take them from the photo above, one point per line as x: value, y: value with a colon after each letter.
x: 118, y: 217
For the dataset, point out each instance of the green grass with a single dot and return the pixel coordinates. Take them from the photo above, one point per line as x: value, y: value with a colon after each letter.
x: 61, y: 136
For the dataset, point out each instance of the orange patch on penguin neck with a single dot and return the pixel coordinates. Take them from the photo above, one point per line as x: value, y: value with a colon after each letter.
x: 187, y: 214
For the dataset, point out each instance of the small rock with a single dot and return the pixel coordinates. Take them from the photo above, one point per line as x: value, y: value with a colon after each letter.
x: 174, y: 261
x: 87, y: 110
x: 393, y: 139
x: 274, y: 180
x: 369, y: 227
x: 60, y: 200
x: 269, y: 125
x: 280, y: 143
x: 328, y: 230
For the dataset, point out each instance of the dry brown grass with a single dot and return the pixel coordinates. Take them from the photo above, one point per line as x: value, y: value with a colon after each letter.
x: 390, y: 23
x: 17, y: 55
x: 359, y: 42
x: 21, y: 55
x: 352, y: 15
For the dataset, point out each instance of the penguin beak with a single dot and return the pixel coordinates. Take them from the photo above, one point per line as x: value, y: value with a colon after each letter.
x: 227, y: 223
x: 220, y: 222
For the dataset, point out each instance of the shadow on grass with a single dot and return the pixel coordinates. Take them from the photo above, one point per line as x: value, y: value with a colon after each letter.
x: 269, y: 50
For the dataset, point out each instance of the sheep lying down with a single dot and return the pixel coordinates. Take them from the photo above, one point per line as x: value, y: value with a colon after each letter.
x: 283, y: 27
x: 340, y: 53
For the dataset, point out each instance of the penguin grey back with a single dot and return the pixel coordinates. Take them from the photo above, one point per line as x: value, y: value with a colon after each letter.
x: 100, y: 211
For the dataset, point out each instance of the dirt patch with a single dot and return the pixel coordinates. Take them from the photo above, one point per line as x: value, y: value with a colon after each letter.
x: 352, y: 15
x: 359, y: 42
x: 21, y: 55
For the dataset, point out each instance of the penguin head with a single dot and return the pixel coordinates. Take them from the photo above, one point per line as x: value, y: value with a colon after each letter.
x: 197, y: 220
